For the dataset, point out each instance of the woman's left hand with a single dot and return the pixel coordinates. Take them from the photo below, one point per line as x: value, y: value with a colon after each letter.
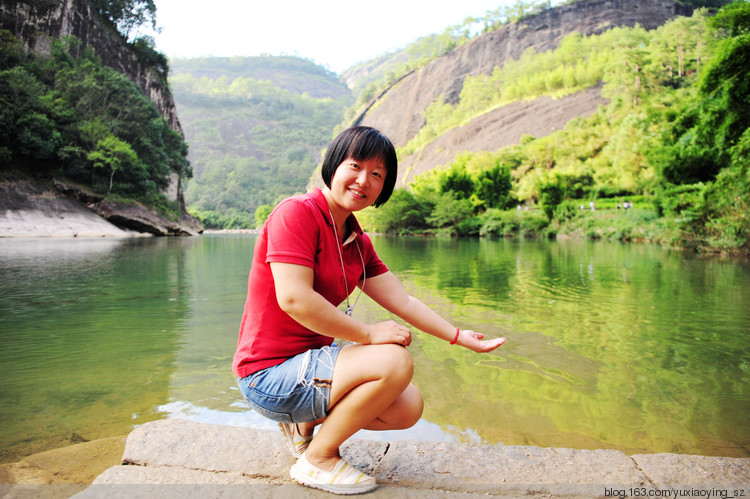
x: 473, y: 341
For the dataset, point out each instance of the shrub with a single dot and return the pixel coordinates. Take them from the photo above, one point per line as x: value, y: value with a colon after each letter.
x: 496, y: 223
x: 550, y: 195
x: 533, y: 223
x: 675, y: 200
x: 470, y: 227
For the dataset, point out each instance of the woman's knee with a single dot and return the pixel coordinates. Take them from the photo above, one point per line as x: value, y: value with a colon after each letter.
x: 396, y: 361
x: 406, y: 410
x: 414, y: 406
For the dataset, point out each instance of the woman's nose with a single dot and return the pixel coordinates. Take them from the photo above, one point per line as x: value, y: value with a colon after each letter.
x: 363, y: 177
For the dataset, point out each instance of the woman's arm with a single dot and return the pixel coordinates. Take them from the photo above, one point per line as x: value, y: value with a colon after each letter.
x: 387, y: 291
x: 296, y: 297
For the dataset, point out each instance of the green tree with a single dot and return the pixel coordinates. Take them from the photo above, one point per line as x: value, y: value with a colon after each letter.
x: 113, y: 154
x: 27, y: 129
x: 11, y: 50
x: 127, y: 15
x: 735, y: 18
x: 626, y: 69
x: 402, y: 212
x: 550, y: 195
x: 726, y: 79
x: 493, y: 186
x: 458, y: 182
x: 704, y: 134
x: 69, y: 115
x: 720, y: 137
x: 450, y: 211
x: 677, y: 50
x: 261, y: 214
x: 37, y: 136
x: 98, y: 94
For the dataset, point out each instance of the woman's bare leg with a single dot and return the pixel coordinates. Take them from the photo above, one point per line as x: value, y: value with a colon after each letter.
x: 395, y: 417
x: 403, y: 413
x: 370, y: 389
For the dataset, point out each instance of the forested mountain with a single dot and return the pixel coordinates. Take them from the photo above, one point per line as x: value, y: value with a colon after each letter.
x: 594, y: 102
x: 670, y: 131
x: 400, y: 108
x: 256, y: 128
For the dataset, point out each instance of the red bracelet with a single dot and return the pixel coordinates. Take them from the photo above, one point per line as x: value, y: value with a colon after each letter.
x: 458, y: 331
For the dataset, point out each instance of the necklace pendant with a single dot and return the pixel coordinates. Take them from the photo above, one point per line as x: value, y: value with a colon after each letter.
x: 349, y: 310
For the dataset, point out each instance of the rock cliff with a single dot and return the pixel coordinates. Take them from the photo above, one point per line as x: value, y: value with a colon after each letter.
x: 37, y: 23
x: 501, y: 127
x: 399, y: 110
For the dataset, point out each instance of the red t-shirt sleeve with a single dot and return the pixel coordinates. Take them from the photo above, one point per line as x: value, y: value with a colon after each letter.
x: 292, y: 234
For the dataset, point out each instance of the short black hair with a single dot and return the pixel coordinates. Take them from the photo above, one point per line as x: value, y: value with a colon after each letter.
x: 362, y: 143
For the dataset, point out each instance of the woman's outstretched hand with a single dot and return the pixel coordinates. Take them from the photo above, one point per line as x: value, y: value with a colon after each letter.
x: 473, y: 341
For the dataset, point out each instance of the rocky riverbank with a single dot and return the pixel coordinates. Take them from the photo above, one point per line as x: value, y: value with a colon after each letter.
x: 201, y: 460
x: 77, y: 464
x: 53, y: 208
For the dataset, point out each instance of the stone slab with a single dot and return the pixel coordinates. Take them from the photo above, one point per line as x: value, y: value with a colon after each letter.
x: 226, y: 449
x: 168, y: 475
x: 517, y: 469
x: 183, y: 459
x: 670, y: 469
x: 244, y: 491
x: 209, y: 447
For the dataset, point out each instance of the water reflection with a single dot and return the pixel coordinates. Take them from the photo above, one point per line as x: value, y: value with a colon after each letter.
x: 610, y: 345
x: 89, y: 330
x: 623, y: 346
x: 43, y: 251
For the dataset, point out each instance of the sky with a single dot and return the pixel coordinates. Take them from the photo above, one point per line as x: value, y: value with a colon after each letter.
x: 336, y: 34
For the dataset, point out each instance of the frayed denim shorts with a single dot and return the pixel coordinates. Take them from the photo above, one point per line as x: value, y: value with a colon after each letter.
x: 297, y: 390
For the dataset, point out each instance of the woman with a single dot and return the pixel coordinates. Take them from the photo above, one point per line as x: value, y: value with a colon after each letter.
x: 310, y: 255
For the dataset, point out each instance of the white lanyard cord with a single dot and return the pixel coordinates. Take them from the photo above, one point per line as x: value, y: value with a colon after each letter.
x: 349, y: 308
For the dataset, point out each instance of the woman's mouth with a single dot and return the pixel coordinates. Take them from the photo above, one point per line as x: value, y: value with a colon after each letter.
x: 357, y: 193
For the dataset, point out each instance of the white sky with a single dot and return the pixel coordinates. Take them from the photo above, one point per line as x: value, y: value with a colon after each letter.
x: 334, y: 33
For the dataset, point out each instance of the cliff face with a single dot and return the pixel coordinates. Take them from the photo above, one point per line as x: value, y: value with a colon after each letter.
x: 399, y: 111
x: 501, y: 127
x: 38, y: 22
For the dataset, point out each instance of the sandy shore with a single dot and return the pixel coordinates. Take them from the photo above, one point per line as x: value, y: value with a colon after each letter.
x: 75, y: 464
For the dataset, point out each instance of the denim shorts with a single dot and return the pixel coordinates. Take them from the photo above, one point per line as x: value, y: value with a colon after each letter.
x: 297, y: 390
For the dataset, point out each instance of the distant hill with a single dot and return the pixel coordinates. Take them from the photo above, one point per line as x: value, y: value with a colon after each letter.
x: 359, y: 76
x: 256, y: 128
x: 290, y: 73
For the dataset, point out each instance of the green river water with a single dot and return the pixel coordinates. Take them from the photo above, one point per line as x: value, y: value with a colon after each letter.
x: 630, y: 347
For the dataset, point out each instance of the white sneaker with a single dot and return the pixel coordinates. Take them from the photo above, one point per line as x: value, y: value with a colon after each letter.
x: 296, y: 442
x: 344, y: 479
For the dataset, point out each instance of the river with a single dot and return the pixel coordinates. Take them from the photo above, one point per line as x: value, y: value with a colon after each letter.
x: 623, y: 346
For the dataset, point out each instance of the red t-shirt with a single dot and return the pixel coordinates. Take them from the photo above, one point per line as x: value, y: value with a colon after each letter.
x: 298, y: 231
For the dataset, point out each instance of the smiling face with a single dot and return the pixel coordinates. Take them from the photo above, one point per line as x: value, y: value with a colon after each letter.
x: 364, y: 146
x: 356, y: 184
